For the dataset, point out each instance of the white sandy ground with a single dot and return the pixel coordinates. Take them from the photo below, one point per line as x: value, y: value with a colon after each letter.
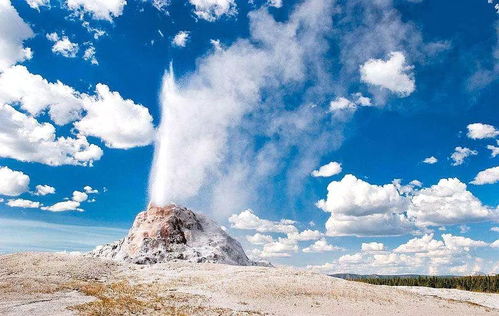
x: 55, y: 284
x: 485, y: 299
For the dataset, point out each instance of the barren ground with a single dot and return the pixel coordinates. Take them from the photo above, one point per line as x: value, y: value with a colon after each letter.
x: 64, y: 284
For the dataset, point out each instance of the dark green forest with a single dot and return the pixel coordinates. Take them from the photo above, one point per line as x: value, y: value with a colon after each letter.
x: 469, y: 283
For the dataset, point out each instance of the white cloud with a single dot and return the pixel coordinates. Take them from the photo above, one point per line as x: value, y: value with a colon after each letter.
x: 98, y: 9
x: 430, y: 160
x: 424, y: 255
x: 494, y: 150
x: 354, y: 197
x: 461, y: 153
x: 89, y: 55
x: 63, y: 45
x: 89, y: 190
x: 487, y: 176
x: 392, y: 74
x: 373, y: 246
x: 101, y: 115
x: 13, y: 183
x: 119, y: 122
x: 212, y: 10
x: 23, y: 203
x: 362, y: 100
x: 63, y: 207
x: 217, y: 46
x: 420, y: 245
x: 328, y: 170
x: 259, y: 239
x: 305, y: 235
x: 275, y: 3
x: 481, y: 131
x: 36, y: 4
x: 341, y: 103
x: 44, y: 190
x: 458, y: 242
x: 351, y: 259
x: 161, y: 5
x: 23, y: 138
x: 79, y: 196
x: 448, y: 203
x: 362, y: 209
x: 280, y: 248
x: 35, y: 95
x: 180, y: 39
x: 320, y: 245
x: 342, y: 107
x: 248, y: 220
x: 495, y: 244
x: 494, y: 229
x: 14, y: 31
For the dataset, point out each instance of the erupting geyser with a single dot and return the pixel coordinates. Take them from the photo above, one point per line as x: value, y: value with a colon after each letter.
x: 188, y: 142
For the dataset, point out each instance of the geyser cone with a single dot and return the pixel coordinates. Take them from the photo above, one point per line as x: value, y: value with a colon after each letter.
x: 172, y: 232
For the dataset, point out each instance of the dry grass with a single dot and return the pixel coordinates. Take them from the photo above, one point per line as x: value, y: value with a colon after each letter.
x: 123, y: 298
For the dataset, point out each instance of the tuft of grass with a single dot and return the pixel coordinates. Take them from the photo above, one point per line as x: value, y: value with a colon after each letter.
x: 123, y: 298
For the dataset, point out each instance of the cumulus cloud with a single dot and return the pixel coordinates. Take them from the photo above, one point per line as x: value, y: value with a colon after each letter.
x: 63, y: 45
x: 320, y: 245
x: 89, y: 190
x: 14, y: 31
x: 79, y: 196
x: 355, y: 197
x: 424, y: 255
x: 342, y: 108
x: 487, y: 176
x: 447, y: 203
x: 481, y: 131
x: 98, y: 9
x: 212, y: 10
x: 494, y: 150
x: 248, y: 220
x: 328, y: 170
x: 458, y: 242
x: 36, y: 4
x: 44, y: 190
x: 100, y: 115
x: 89, y: 55
x: 280, y: 248
x: 13, y: 183
x: 106, y: 114
x: 495, y: 244
x: 22, y: 203
x: 362, y: 209
x: 35, y: 95
x: 305, y: 235
x: 430, y: 160
x: 259, y: 239
x: 372, y: 246
x: 63, y: 207
x: 460, y: 154
x: 393, y: 74
x: 23, y: 138
x: 180, y: 39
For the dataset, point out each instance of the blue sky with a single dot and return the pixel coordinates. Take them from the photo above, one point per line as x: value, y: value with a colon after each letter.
x: 263, y: 93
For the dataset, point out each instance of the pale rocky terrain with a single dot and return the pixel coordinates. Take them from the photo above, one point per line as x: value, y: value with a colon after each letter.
x: 65, y: 284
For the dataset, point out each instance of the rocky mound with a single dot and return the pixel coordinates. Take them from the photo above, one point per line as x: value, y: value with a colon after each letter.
x: 162, y: 234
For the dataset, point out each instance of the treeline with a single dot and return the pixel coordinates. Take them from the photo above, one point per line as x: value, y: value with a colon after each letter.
x: 469, y: 283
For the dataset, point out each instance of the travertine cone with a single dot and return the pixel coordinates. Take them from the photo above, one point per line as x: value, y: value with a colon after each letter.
x: 162, y: 234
